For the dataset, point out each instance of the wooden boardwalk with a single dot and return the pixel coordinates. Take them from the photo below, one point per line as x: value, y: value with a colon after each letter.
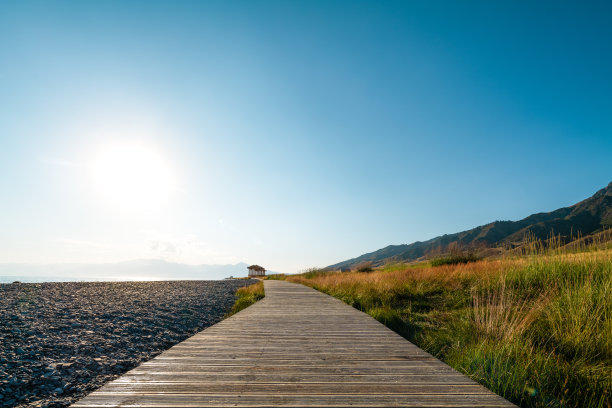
x: 295, y: 348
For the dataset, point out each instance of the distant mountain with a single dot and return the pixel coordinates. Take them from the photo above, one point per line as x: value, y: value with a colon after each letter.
x: 141, y: 269
x: 586, y: 217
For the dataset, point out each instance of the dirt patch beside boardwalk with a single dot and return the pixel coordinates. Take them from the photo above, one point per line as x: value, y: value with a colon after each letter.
x: 60, y: 341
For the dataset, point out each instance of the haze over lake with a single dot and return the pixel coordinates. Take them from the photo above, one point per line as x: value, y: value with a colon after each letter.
x: 138, y: 270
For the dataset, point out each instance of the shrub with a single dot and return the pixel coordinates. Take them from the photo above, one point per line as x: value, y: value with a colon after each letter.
x: 454, y: 259
x: 311, y: 273
x: 364, y: 267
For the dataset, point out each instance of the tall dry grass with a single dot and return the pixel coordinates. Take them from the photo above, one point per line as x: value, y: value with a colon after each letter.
x: 536, y: 329
x: 503, y: 314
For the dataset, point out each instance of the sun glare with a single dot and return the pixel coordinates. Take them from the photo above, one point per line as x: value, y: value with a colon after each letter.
x: 133, y: 178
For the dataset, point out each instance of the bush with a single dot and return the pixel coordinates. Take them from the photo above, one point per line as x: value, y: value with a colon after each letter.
x: 364, y: 267
x: 314, y: 272
x: 454, y: 259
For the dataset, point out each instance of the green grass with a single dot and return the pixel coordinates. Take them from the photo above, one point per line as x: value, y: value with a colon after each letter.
x: 537, y: 330
x: 246, y: 296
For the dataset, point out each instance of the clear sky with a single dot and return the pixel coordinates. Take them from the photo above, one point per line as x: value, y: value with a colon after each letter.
x: 292, y: 134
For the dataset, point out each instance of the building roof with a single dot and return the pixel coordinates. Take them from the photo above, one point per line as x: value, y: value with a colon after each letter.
x: 257, y: 268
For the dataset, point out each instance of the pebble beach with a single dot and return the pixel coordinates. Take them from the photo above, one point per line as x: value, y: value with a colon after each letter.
x: 60, y: 341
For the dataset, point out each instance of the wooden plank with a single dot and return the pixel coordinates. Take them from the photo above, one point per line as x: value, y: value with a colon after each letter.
x: 275, y: 378
x: 242, y: 400
x: 216, y: 388
x: 296, y: 347
x: 415, y: 368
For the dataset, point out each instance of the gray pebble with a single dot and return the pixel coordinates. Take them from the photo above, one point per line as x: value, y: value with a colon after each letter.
x: 60, y: 341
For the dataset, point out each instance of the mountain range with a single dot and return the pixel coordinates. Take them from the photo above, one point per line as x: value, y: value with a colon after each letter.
x: 584, y: 218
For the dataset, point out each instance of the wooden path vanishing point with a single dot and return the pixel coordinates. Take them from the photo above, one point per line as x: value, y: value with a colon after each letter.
x: 295, y: 348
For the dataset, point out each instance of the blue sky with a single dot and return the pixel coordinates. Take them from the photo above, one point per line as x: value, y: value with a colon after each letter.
x: 294, y: 134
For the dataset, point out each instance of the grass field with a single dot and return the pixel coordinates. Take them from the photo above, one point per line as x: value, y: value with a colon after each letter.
x: 535, y: 329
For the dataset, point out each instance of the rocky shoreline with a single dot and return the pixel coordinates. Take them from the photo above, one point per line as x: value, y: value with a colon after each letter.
x: 60, y: 341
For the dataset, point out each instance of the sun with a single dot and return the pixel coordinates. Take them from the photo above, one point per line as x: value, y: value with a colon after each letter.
x: 133, y: 177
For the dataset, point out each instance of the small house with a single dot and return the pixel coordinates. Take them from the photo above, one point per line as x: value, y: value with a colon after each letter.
x: 256, y: 271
